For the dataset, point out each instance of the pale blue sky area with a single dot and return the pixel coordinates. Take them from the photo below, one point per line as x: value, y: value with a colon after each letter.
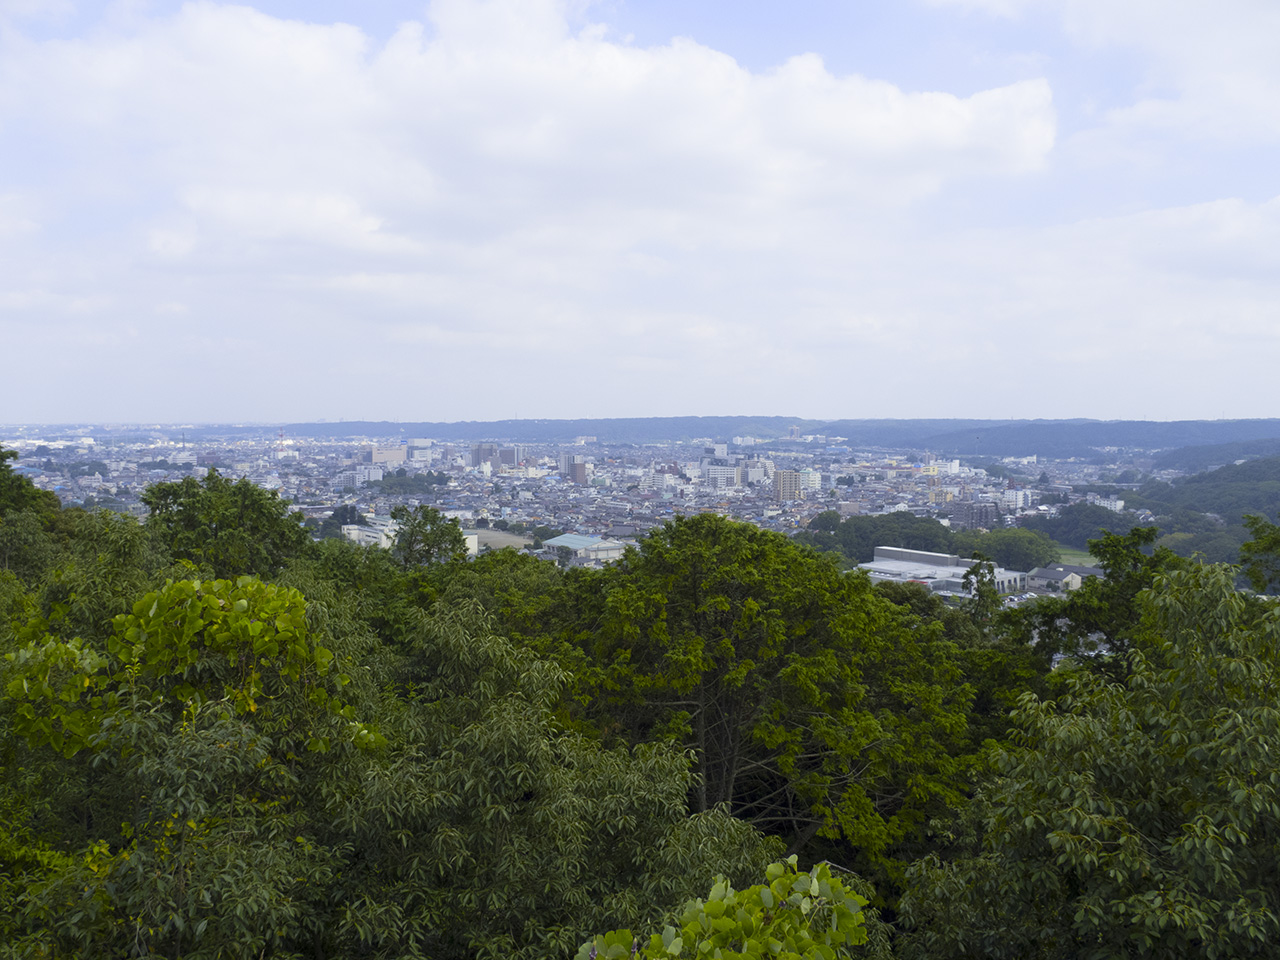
x: 1076, y: 197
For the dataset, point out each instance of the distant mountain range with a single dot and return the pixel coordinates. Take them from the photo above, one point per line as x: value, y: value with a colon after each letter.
x: 1223, y: 440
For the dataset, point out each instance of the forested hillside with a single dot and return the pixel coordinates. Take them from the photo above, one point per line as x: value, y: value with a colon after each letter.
x: 222, y: 738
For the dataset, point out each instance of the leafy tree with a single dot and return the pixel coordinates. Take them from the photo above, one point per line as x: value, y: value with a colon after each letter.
x: 997, y: 660
x: 1101, y: 620
x: 1138, y: 819
x: 400, y: 484
x: 983, y: 600
x: 18, y: 493
x: 1010, y: 547
x: 810, y: 704
x: 26, y: 548
x: 517, y: 590
x: 483, y: 829
x: 343, y: 515
x: 194, y: 714
x: 827, y: 521
x: 426, y: 537
x: 794, y: 915
x: 856, y: 538
x: 230, y: 529
x: 1260, y: 556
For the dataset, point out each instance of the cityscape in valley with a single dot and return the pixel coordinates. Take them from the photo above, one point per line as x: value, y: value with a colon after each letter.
x: 605, y: 490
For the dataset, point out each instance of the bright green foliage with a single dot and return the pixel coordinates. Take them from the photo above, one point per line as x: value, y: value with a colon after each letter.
x: 1134, y: 820
x: 245, y: 643
x: 809, y: 702
x: 230, y: 529
x: 998, y: 663
x: 983, y: 602
x: 795, y: 915
x: 196, y: 714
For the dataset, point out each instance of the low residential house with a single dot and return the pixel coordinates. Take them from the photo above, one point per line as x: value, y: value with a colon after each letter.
x: 1060, y: 577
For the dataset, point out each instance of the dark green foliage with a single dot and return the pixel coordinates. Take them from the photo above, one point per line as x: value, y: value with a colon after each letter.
x: 280, y: 798
x: 1201, y: 458
x: 1099, y: 623
x: 400, y: 484
x: 18, y: 493
x: 484, y: 831
x: 856, y: 539
x: 1012, y: 548
x: 1205, y: 515
x: 87, y: 468
x: 828, y: 521
x: 1230, y: 492
x: 26, y: 549
x: 1077, y: 524
x: 426, y: 537
x: 228, y: 529
x: 1135, y: 820
x: 344, y: 514
x: 495, y: 758
x: 1261, y: 555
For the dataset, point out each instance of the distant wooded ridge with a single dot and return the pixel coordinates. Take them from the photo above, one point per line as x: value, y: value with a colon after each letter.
x: 1004, y: 438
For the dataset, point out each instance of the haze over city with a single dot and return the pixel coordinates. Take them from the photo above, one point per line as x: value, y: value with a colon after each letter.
x: 286, y: 211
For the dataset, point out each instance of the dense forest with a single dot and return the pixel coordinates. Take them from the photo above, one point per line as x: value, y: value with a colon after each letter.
x: 855, y: 539
x: 221, y: 737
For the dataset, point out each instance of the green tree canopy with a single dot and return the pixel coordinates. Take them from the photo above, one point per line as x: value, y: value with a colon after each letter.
x: 1131, y: 820
x: 1260, y: 556
x: 18, y: 493
x: 230, y: 529
x: 426, y: 537
x: 809, y: 703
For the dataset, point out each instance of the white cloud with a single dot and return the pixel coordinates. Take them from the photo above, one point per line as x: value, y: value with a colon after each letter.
x: 227, y: 199
x: 486, y: 178
x: 1209, y: 72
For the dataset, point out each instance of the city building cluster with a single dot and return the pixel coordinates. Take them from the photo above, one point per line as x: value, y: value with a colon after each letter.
x: 580, y: 501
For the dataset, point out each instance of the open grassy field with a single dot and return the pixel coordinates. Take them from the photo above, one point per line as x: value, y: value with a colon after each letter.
x: 1080, y: 558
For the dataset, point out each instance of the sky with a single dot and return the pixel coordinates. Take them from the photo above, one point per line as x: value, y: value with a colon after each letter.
x: 293, y: 210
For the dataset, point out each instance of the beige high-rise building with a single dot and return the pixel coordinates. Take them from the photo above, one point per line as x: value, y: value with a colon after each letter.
x: 788, y: 485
